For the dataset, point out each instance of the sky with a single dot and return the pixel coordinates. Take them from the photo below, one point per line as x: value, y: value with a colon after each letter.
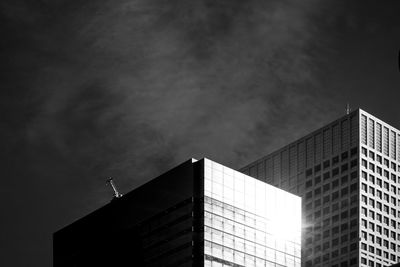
x: 130, y: 88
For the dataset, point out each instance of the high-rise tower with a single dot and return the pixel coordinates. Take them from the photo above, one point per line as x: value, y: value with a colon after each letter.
x: 348, y: 175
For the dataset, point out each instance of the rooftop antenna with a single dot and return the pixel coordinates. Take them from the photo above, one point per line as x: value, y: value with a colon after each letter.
x: 111, y: 183
x: 348, y: 109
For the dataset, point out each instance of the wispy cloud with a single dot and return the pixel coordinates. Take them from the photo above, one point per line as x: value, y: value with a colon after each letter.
x: 147, y: 84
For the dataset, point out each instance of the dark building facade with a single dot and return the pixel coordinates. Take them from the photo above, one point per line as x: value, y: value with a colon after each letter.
x: 198, y: 214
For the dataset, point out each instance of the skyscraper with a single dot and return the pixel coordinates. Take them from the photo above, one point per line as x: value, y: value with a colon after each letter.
x: 348, y: 175
x: 198, y: 214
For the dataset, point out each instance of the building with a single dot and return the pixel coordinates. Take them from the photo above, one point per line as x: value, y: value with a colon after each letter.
x: 198, y: 214
x: 348, y: 175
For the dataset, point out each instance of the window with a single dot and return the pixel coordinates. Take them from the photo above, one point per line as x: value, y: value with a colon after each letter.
x: 344, y: 167
x: 364, y: 175
x: 345, y: 203
x: 372, y: 226
x: 317, y: 214
x: 386, y: 186
x: 326, y: 234
x: 372, y: 202
x: 335, y: 160
x: 364, y: 199
x: 344, y: 191
x: 335, y: 195
x: 317, y: 168
x: 364, y: 151
x: 372, y: 190
x: 364, y: 187
x: 393, y: 166
x: 386, y: 243
x: 386, y: 197
x: 326, y: 210
x: 393, y: 189
x: 372, y: 214
x: 353, y: 163
x: 335, y: 207
x: 363, y: 260
x: 334, y: 172
x: 353, y: 151
x: 364, y: 223
x: 386, y: 162
x: 344, y: 215
x: 326, y: 164
x: 379, y: 194
x: 364, y: 235
x: 364, y: 211
x: 364, y: 163
x: 371, y: 249
x: 317, y: 191
x: 372, y: 167
x: 372, y: 155
x: 353, y: 188
x: 363, y: 246
x: 326, y: 187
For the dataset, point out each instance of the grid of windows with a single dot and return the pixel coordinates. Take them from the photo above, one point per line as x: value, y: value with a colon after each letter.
x: 248, y: 222
x: 331, y: 211
x: 380, y: 231
x: 380, y: 195
x: 363, y: 178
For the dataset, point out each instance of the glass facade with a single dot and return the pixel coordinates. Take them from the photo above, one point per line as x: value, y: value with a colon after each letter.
x: 322, y: 168
x: 248, y: 222
x: 351, y: 195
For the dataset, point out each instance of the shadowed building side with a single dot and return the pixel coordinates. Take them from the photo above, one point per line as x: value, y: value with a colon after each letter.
x: 150, y: 224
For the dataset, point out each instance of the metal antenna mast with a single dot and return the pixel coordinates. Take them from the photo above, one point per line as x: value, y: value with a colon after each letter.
x: 111, y: 183
x: 348, y: 109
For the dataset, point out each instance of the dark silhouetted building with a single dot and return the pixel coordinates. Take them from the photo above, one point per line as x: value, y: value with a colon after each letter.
x: 198, y: 214
x: 348, y: 175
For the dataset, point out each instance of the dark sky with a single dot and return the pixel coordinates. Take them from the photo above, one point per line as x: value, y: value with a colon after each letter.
x: 128, y: 89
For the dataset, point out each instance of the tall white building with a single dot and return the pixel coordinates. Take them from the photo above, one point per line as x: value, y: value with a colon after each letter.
x: 348, y: 175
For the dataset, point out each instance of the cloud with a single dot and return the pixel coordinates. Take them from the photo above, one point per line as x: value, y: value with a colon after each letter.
x: 147, y: 84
